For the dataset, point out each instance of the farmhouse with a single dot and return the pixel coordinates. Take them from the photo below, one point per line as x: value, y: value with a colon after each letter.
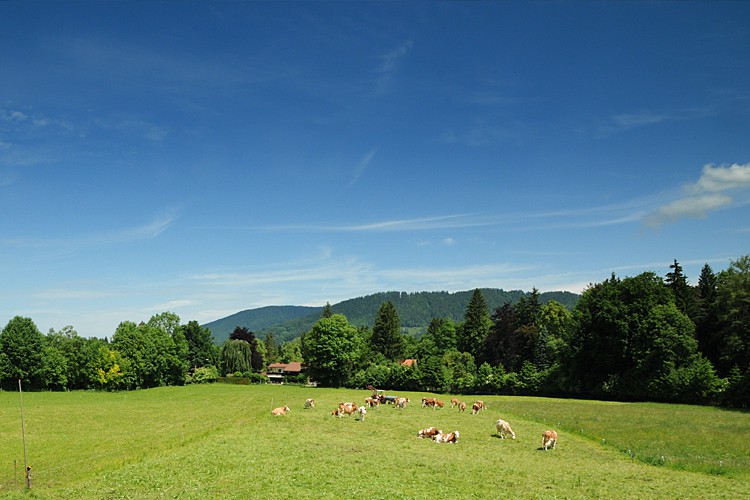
x: 277, y: 371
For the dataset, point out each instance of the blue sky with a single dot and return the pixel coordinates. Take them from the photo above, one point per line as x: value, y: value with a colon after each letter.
x: 204, y: 157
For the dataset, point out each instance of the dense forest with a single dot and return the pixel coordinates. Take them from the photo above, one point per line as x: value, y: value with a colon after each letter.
x: 642, y: 337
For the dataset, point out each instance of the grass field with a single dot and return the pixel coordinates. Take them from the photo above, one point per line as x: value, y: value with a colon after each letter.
x: 220, y: 441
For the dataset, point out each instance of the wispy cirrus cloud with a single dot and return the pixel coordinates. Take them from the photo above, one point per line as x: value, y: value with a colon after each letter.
x: 362, y: 166
x: 150, y: 230
x: 389, y: 65
x: 709, y: 193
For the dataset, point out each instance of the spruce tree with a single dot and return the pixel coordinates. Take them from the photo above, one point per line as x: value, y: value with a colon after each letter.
x: 476, y: 326
x: 386, y: 332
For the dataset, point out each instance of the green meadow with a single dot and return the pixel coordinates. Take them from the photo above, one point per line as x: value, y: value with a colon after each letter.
x: 221, y: 441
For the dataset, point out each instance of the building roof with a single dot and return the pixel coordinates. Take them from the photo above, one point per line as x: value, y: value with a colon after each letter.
x: 294, y: 366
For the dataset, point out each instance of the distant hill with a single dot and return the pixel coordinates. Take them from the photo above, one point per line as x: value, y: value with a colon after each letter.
x: 415, y: 310
x: 259, y: 320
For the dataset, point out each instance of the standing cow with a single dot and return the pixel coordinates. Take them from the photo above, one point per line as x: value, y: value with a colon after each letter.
x: 549, y: 438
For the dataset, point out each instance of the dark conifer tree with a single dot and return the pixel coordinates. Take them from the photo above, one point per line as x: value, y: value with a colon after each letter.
x: 476, y: 326
x: 386, y: 335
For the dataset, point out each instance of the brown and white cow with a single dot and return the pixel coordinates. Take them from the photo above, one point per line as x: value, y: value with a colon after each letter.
x: 438, y: 404
x: 475, y: 408
x: 503, y: 428
x: 481, y: 404
x: 454, y: 402
x: 428, y: 402
x: 429, y: 432
x: 309, y: 403
x: 401, y: 403
x: 451, y: 437
x: 549, y: 438
x: 362, y: 412
x: 347, y: 409
x: 280, y: 411
x: 461, y: 407
x: 372, y: 402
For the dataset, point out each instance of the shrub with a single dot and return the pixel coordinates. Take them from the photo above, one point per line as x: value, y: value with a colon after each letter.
x: 203, y: 375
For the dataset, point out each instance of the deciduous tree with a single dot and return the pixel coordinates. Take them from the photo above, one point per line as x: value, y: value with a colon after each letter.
x: 330, y: 349
x: 21, y: 354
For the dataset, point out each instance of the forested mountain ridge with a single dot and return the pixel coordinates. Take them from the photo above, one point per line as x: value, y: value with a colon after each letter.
x: 258, y: 319
x: 415, y: 311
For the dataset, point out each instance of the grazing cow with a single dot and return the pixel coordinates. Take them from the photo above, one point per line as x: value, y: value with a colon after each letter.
x: 362, y: 412
x: 281, y: 410
x: 454, y: 402
x: 309, y: 403
x: 438, y: 404
x: 401, y: 403
x: 475, y: 408
x: 428, y: 402
x: 549, y: 438
x: 336, y: 413
x: 461, y: 407
x: 481, y: 404
x: 372, y: 402
x: 451, y: 438
x: 503, y: 428
x: 429, y: 432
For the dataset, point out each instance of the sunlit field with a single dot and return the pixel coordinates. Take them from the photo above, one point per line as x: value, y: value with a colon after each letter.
x: 221, y: 441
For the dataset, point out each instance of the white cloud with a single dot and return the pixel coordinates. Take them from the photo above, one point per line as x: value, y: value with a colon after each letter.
x: 717, y: 179
x: 705, y: 195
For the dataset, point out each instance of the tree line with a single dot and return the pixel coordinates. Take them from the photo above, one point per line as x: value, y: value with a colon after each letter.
x: 635, y: 338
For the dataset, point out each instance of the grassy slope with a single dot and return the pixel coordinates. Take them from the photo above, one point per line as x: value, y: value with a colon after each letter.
x: 220, y: 441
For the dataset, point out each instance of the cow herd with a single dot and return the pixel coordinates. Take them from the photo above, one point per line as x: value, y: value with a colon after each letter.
x: 549, y: 437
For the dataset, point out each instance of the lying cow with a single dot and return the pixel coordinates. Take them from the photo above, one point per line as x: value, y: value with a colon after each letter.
x: 451, y: 438
x: 549, y: 438
x: 503, y: 428
x: 280, y: 411
x: 309, y: 403
x: 429, y: 432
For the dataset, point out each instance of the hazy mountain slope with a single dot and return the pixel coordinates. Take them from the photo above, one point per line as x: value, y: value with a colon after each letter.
x: 415, y: 310
x: 258, y: 320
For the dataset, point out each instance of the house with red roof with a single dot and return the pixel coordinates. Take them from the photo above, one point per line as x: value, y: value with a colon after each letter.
x: 277, y: 371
